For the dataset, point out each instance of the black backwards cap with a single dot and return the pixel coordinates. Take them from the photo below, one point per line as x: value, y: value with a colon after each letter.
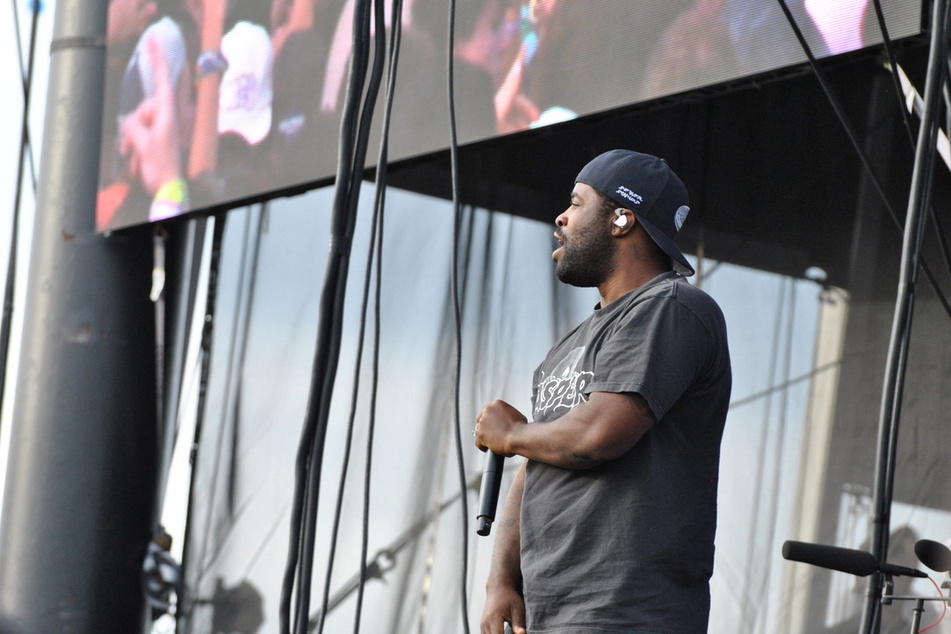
x: 647, y: 186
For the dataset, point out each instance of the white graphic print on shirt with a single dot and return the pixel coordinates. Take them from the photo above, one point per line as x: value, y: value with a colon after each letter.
x: 564, y: 388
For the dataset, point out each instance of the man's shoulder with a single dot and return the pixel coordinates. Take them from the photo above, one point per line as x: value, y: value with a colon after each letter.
x: 677, y: 298
x: 680, y: 290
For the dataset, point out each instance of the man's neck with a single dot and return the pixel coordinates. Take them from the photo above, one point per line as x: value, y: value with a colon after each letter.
x: 624, y: 281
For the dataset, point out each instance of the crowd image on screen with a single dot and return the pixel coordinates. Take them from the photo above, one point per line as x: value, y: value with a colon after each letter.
x: 213, y: 101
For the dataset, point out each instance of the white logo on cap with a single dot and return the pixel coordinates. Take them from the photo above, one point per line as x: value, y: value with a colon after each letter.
x: 627, y: 194
x: 680, y: 216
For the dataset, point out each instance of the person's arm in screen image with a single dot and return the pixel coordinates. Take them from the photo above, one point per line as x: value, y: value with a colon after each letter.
x: 288, y: 17
x: 204, y: 146
x: 696, y: 45
x: 839, y: 21
x: 150, y: 140
x: 128, y: 19
x: 514, y: 110
x: 337, y: 60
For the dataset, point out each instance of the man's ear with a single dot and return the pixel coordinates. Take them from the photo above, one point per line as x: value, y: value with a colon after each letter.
x: 624, y: 220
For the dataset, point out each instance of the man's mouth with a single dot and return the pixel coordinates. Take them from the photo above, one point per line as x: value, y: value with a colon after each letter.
x: 561, y: 241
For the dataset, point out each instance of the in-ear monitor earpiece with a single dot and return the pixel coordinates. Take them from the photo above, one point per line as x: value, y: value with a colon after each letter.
x: 621, y: 220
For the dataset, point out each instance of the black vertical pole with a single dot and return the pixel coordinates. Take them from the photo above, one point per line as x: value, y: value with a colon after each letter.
x: 919, y: 201
x: 80, y: 479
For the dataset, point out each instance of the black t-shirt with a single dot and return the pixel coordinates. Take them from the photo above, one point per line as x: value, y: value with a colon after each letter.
x: 627, y: 546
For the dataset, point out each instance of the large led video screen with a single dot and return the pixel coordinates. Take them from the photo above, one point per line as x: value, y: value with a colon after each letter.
x: 209, y: 103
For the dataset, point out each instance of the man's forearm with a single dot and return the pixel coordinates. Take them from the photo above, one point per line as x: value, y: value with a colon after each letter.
x: 600, y: 429
x: 506, y: 568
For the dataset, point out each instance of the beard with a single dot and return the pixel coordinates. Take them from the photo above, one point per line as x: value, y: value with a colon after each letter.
x: 587, y: 259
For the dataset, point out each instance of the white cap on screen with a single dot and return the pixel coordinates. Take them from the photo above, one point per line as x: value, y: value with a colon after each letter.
x: 246, y: 86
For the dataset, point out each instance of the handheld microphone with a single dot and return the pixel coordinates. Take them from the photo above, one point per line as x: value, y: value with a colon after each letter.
x: 854, y: 562
x: 489, y: 491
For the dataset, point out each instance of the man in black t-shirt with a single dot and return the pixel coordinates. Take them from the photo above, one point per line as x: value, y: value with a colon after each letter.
x: 609, y: 524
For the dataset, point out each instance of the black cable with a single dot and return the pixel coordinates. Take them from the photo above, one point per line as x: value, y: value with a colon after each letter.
x: 947, y: 95
x: 354, y: 134
x: 385, y: 557
x: 317, y: 622
x: 374, y: 256
x: 918, y: 204
x: 946, y: 92
x: 303, y: 466
x: 353, y: 199
x: 454, y: 283
x: 906, y: 118
x: 379, y: 57
x: 853, y: 139
x: 893, y: 68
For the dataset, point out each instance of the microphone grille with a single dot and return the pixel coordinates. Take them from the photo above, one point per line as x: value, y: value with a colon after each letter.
x: 933, y: 554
